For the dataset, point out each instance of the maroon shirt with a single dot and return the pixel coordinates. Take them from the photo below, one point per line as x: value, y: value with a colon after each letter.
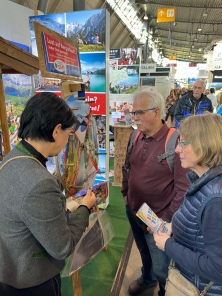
x: 151, y: 181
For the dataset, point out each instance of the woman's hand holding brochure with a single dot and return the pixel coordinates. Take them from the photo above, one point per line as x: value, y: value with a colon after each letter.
x: 155, y: 224
x: 160, y: 239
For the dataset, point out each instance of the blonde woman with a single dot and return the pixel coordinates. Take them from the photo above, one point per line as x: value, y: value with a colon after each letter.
x: 196, y: 240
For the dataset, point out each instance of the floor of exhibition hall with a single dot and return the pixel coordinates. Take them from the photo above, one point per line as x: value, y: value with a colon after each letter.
x: 132, y: 272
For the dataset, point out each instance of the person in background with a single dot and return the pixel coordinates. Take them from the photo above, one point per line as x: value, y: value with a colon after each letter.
x: 213, y: 98
x: 170, y: 105
x: 133, y: 56
x: 195, y: 245
x: 207, y: 92
x: 219, y: 97
x: 184, y: 91
x: 193, y: 103
x: 151, y: 181
x: 124, y: 60
x: 37, y: 233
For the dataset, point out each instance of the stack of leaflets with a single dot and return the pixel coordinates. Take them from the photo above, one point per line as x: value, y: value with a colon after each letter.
x: 147, y: 215
x: 100, y: 190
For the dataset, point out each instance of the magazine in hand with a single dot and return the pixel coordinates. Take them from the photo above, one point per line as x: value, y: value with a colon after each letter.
x: 147, y: 215
x: 100, y: 190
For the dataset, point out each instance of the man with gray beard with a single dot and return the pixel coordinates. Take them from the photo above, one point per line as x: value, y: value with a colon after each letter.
x: 150, y: 180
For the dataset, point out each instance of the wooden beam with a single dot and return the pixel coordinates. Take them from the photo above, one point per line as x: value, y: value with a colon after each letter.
x: 54, y: 6
x: 10, y: 71
x: 76, y: 283
x: 3, y: 119
x: 17, y: 53
x: 18, y: 65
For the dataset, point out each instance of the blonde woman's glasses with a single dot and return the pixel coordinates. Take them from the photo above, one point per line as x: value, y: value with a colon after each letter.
x: 182, y: 144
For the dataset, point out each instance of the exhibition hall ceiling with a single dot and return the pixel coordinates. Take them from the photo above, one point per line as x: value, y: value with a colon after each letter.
x: 195, y: 31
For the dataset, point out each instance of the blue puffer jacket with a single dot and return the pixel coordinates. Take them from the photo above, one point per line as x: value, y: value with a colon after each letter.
x: 184, y: 106
x: 196, y: 246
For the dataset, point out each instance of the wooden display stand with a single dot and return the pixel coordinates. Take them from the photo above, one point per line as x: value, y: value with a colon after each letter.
x: 121, y: 137
x: 13, y: 60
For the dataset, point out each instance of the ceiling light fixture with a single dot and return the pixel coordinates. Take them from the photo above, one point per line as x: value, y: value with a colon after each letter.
x: 205, y: 12
x: 145, y: 17
x: 199, y: 29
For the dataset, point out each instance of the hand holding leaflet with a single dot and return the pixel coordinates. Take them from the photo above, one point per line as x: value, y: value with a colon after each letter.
x: 100, y: 190
x: 147, y: 215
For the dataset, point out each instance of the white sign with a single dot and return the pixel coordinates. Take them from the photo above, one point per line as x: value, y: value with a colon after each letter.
x: 116, y: 114
x: 217, y: 57
x: 147, y: 68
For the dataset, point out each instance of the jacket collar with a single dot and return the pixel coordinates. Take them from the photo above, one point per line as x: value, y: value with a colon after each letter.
x: 197, y: 183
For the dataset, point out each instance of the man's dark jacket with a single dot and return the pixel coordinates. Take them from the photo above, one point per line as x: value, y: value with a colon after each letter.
x: 188, y: 105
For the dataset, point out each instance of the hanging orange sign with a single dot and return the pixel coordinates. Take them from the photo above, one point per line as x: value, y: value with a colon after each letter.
x: 172, y: 57
x: 166, y: 15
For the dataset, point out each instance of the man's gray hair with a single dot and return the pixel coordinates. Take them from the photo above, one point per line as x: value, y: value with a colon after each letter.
x: 203, y: 82
x: 154, y: 99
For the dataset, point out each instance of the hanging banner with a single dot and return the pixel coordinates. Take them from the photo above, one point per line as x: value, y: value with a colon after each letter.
x: 172, y: 57
x: 192, y: 64
x: 209, y: 64
x: 217, y: 57
x: 165, y: 15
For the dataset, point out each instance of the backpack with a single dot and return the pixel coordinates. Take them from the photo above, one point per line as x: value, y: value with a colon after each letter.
x: 170, y: 143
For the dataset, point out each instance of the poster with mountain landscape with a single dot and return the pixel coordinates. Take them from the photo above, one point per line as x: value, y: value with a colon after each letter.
x: 55, y: 22
x: 87, y: 28
x: 90, y: 30
x: 17, y: 89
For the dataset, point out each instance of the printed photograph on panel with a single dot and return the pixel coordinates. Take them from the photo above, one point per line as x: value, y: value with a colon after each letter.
x: 87, y: 28
x: 124, y: 80
x: 93, y: 71
x: 55, y: 22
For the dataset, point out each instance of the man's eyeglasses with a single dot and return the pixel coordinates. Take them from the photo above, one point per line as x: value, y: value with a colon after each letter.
x: 197, y: 87
x: 182, y: 144
x: 140, y: 112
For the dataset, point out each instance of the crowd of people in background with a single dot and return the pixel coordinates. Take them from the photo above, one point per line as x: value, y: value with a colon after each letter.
x: 175, y: 94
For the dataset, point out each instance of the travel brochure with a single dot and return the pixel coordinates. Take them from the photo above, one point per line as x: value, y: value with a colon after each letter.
x: 147, y: 215
x: 100, y: 190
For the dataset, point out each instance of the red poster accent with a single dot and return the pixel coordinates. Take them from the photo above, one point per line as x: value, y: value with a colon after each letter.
x: 192, y: 64
x: 171, y: 65
x: 58, y: 50
x: 98, y: 105
x: 99, y: 102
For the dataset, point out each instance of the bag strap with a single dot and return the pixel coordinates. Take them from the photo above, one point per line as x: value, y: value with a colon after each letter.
x: 172, y: 264
x: 170, y: 144
x: 206, y: 288
x: 133, y: 139
x: 23, y: 156
x: 169, y: 154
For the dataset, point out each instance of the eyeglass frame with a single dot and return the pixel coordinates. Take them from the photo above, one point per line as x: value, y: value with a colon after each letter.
x: 132, y: 114
x: 182, y: 144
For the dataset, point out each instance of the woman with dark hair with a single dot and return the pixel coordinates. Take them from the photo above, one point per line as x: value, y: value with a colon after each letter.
x: 170, y: 105
x: 37, y: 234
x: 194, y: 239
